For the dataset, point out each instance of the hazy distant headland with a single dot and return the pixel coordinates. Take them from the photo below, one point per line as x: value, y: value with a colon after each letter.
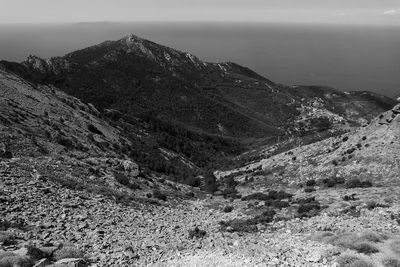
x: 342, y: 56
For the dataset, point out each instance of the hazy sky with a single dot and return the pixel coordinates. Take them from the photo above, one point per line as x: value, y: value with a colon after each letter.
x: 320, y: 11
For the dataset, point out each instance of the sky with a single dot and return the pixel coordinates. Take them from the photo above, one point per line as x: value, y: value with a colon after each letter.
x: 306, y: 11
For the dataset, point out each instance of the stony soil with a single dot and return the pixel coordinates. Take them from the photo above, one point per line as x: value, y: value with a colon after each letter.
x: 143, y: 233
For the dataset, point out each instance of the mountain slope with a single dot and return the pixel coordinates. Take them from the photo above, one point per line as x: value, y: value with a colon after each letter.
x: 137, y: 76
x: 370, y: 152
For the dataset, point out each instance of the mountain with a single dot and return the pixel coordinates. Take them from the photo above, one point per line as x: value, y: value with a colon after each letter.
x: 137, y: 76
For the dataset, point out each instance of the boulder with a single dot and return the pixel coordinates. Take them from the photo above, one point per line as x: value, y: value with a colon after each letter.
x: 130, y: 168
x: 70, y: 262
x: 42, y: 263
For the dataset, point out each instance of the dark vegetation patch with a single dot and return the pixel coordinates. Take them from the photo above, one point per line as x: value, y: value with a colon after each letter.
x: 228, y: 209
x: 351, y: 197
x: 271, y: 195
x: 372, y: 205
x: 309, y: 189
x: 197, y: 233
x: 332, y: 182
x: 308, y: 207
x: 357, y: 183
x: 94, y: 129
x: 159, y: 195
x: 124, y: 180
x: 310, y: 182
x: 248, y: 225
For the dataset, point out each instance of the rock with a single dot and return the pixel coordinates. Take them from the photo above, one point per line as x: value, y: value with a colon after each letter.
x: 70, y: 262
x: 21, y: 252
x: 130, y: 167
x: 315, y: 257
x: 42, y: 263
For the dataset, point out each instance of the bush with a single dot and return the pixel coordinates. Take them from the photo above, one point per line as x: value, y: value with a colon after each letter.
x: 272, y: 195
x: 308, y: 207
x: 65, y: 141
x: 248, y: 225
x: 350, y: 260
x: 157, y: 194
x: 67, y: 252
x: 124, y: 180
x: 304, y: 208
x: 365, y: 248
x: 357, y: 183
x: 310, y: 182
x: 309, y: 189
x: 371, y: 236
x: 94, y: 129
x: 6, y: 154
x: 121, y: 178
x: 197, y: 233
x: 35, y: 253
x: 350, y: 198
x: 391, y: 262
x: 333, y: 181
x: 7, y: 239
x: 228, y: 209
x: 276, y: 203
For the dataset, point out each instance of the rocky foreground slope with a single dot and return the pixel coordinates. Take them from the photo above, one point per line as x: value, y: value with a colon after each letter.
x: 69, y: 197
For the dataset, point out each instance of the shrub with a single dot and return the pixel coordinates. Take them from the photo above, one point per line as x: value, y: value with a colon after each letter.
x: 121, y: 178
x: 345, y: 138
x: 157, y: 194
x: 304, y: 208
x: 333, y: 181
x: 7, y: 239
x: 365, y: 248
x: 357, y: 183
x: 94, y: 129
x: 210, y: 183
x: 372, y: 205
x: 350, y: 198
x: 371, y: 236
x: 7, y: 154
x: 308, y: 207
x: 65, y: 141
x: 67, y: 252
x: 391, y: 262
x: 276, y: 203
x: 310, y: 182
x: 272, y: 195
x: 309, y: 189
x: 228, y: 209
x: 197, y: 233
x: 190, y: 194
x: 350, y: 260
x: 35, y: 253
x: 248, y: 225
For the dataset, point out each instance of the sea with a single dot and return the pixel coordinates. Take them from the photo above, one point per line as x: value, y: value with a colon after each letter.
x: 346, y: 57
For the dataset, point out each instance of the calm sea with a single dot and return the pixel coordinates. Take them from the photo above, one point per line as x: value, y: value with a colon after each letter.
x: 341, y: 56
